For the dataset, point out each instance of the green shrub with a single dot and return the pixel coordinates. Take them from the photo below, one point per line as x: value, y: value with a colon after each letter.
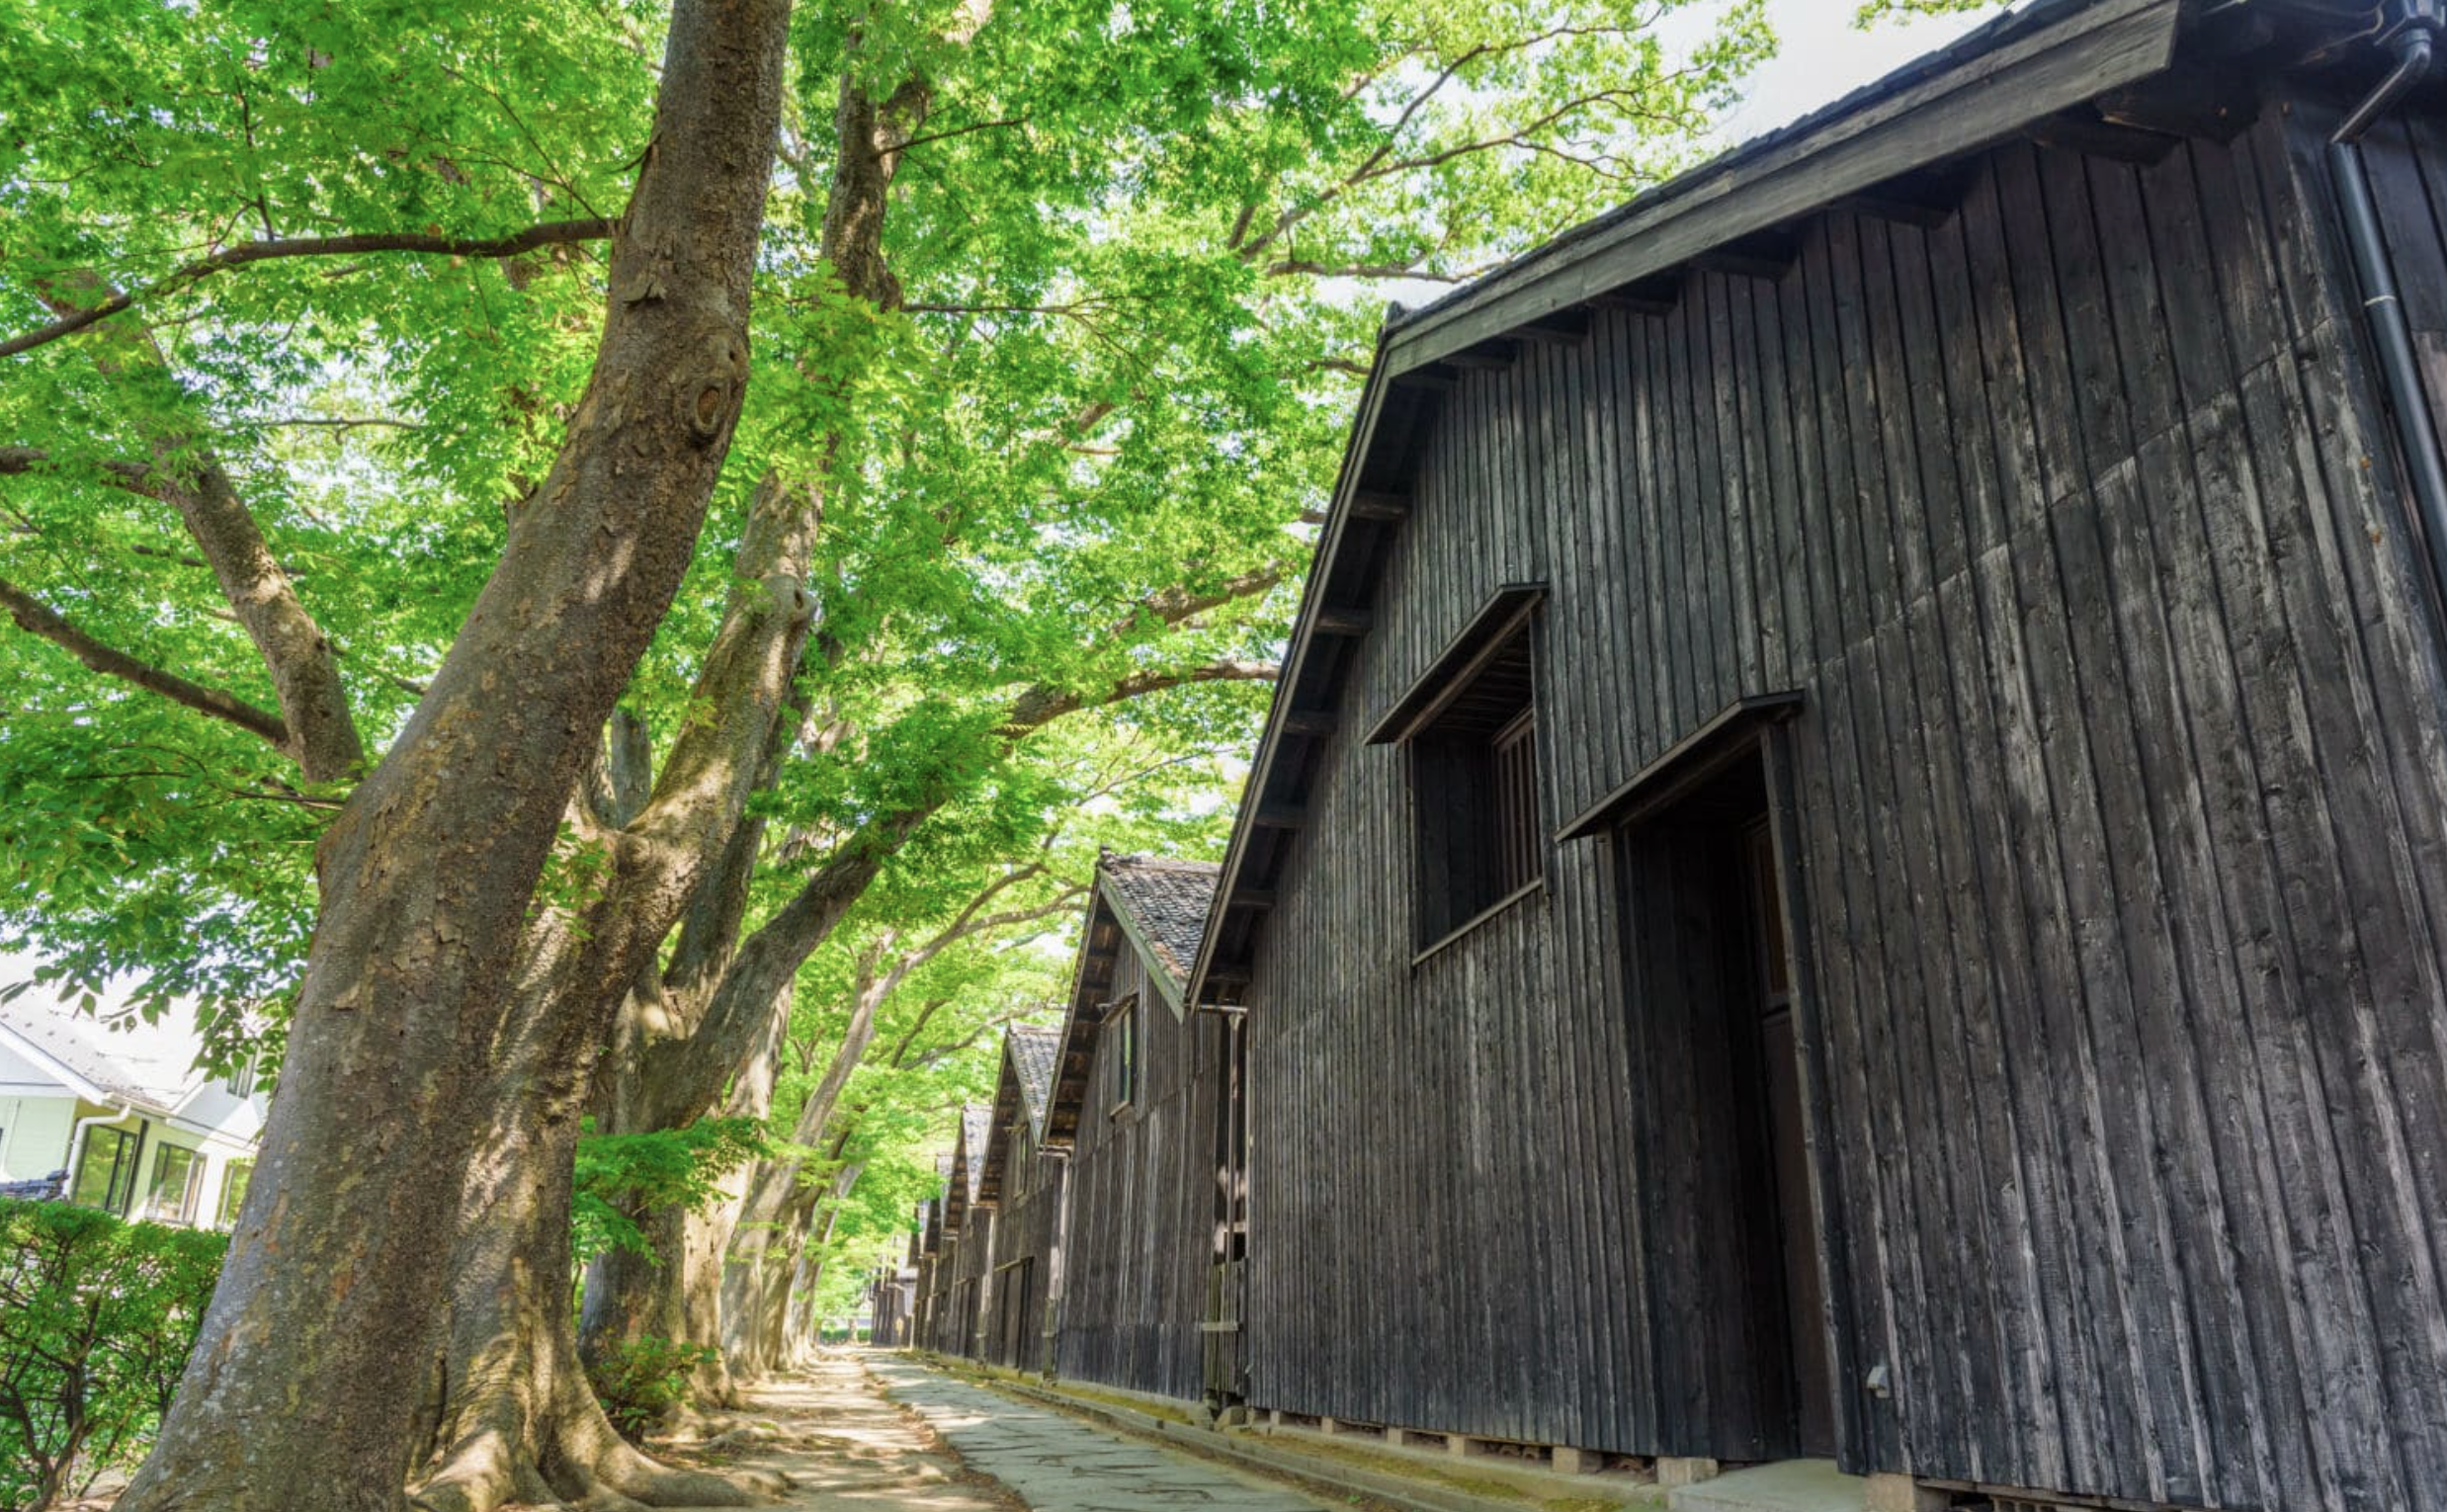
x: 97, y: 1317
x: 643, y: 1380
x: 623, y: 1177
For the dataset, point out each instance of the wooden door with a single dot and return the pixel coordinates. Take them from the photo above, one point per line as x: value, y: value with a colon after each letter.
x: 1796, y: 1209
x: 1018, y: 1323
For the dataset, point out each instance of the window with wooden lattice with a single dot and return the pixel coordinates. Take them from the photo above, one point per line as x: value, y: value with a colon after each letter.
x: 1474, y: 788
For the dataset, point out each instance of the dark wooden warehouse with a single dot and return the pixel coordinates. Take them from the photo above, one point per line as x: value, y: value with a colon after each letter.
x: 925, y: 1237
x: 963, y: 1265
x: 1023, y: 1187
x: 1134, y: 1105
x: 890, y: 1301
x: 1852, y: 853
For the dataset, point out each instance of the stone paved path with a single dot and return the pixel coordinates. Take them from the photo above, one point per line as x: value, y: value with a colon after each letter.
x: 845, y: 1449
x: 1056, y: 1463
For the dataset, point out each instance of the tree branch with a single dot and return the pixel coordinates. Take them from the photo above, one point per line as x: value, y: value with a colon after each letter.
x: 134, y: 476
x: 38, y: 618
x: 550, y: 234
x: 1042, y: 705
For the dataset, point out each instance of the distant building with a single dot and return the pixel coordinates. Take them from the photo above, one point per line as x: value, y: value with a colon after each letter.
x: 121, y: 1120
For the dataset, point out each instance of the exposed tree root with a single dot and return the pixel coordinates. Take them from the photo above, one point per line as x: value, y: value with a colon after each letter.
x: 515, y: 1419
x: 569, y: 1457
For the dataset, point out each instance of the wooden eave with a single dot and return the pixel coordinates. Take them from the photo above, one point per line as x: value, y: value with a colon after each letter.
x: 1091, y: 978
x: 960, y: 1194
x: 1494, y: 625
x: 999, y: 1125
x: 1875, y: 145
x: 2022, y: 68
x: 1691, y: 760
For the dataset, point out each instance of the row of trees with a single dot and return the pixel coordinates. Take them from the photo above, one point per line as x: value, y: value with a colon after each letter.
x: 627, y: 558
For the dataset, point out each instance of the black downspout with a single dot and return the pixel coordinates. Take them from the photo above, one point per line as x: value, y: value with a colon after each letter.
x: 2413, y: 40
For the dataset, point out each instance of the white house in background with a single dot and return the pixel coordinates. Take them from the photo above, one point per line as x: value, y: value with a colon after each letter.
x: 134, y: 1126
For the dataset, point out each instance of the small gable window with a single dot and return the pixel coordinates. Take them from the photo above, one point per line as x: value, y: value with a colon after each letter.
x: 1470, y: 729
x: 1123, y: 1025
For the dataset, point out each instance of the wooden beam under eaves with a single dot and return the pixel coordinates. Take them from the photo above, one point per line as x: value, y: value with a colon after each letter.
x: 1759, y: 255
x: 1496, y: 352
x: 2086, y: 132
x: 1926, y: 199
x: 1433, y: 378
x: 1276, y: 816
x: 2209, y: 101
x: 1307, y: 722
x: 1657, y: 295
x: 1564, y: 327
x: 1377, y: 504
x: 1331, y: 621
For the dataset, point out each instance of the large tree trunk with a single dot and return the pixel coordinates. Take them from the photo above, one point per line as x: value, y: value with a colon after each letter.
x: 763, y: 1264
x: 514, y: 1417
x: 303, y: 1386
x: 674, y: 1290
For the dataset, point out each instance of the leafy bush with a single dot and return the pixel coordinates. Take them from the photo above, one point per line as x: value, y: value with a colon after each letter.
x: 97, y: 1317
x: 623, y: 1177
x: 643, y: 1380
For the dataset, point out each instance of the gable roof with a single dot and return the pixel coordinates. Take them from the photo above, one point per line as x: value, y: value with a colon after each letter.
x: 1167, y: 902
x: 1018, y: 1097
x: 1032, y: 1052
x: 968, y: 1162
x: 52, y: 1038
x: 2048, y: 65
x: 1159, y: 908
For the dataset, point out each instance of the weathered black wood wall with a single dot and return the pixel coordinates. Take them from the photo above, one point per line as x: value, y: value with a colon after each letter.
x: 964, y: 1274
x: 2122, y: 823
x: 1025, y: 1235
x: 1141, y: 1236
x: 924, y: 1251
x: 1026, y: 1186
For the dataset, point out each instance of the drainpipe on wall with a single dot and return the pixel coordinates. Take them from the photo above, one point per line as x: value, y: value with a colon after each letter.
x: 2412, y: 35
x: 76, y: 1141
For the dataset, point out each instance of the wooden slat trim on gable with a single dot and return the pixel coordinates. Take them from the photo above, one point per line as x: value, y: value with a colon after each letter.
x: 1725, y: 735
x: 1451, y: 671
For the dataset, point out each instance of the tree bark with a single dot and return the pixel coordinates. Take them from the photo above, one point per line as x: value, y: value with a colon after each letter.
x: 302, y: 1388
x: 513, y: 1417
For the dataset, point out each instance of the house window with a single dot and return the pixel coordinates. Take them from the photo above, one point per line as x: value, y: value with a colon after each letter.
x: 234, y: 1193
x: 106, y: 1174
x: 1473, y: 789
x: 241, y: 1081
x: 171, y: 1198
x: 1125, y: 1023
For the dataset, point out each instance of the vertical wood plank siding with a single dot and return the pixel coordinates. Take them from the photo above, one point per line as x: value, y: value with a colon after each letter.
x: 2120, y: 789
x: 1025, y: 1234
x: 1141, y: 1227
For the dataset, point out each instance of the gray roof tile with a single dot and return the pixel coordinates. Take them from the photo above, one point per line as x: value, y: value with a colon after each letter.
x: 1033, y: 1055
x: 1168, y: 901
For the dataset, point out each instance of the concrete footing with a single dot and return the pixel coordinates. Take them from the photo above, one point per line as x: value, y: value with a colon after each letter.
x: 1463, y: 1446
x: 1578, y: 1461
x: 1900, y: 1493
x: 1678, y: 1470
